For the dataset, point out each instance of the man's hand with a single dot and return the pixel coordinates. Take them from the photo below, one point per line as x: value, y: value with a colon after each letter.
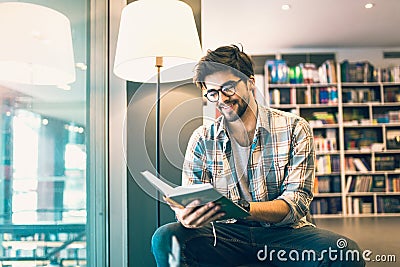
x: 195, y: 216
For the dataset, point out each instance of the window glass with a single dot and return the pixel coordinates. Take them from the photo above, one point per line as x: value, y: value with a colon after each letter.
x: 43, y: 150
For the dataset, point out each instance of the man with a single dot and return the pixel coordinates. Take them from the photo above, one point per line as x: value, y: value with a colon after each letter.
x: 261, y: 158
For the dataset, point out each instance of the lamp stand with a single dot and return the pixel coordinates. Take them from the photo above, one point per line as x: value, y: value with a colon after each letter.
x: 159, y: 64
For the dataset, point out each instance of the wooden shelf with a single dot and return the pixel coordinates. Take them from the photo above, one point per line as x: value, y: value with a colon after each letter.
x: 370, y: 107
x: 327, y: 194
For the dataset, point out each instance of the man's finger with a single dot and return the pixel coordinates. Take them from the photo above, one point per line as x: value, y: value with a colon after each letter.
x: 213, y: 213
x: 202, y: 215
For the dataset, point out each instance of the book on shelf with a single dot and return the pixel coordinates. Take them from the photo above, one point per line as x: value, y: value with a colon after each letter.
x: 393, y: 138
x: 385, y: 163
x: 378, y: 184
x: 393, y: 184
x: 391, y: 74
x: 327, y: 72
x: 332, y: 75
x: 349, y: 205
x: 282, y: 96
x: 360, y: 95
x: 392, y: 94
x: 323, y: 95
x: 365, y: 183
x: 331, y: 133
x: 330, y: 205
x: 322, y: 185
x: 394, y: 115
x: 316, y: 185
x: 327, y: 184
x: 324, y: 116
x: 347, y: 187
x: 360, y: 165
x: 361, y: 71
x: 325, y: 144
x: 387, y: 204
x: 326, y: 164
x: 183, y: 195
x: 336, y: 184
x: 349, y: 164
x: 357, y: 205
x: 277, y: 71
x: 357, y: 164
x: 310, y: 73
x: 323, y: 164
x: 366, y: 207
x: 363, y: 138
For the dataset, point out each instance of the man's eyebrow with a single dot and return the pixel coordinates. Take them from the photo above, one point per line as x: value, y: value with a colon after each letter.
x: 220, y: 86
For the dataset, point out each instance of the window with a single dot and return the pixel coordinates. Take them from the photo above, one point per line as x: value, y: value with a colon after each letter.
x: 44, y: 167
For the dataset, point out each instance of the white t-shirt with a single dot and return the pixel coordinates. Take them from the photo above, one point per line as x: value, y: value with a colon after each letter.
x: 241, y: 158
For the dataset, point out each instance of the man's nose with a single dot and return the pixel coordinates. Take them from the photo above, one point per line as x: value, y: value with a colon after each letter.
x: 222, y: 97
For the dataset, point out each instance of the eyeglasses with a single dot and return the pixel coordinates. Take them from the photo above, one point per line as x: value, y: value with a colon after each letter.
x: 228, y: 89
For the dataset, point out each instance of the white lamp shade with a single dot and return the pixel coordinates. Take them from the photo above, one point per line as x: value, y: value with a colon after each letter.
x: 36, y: 45
x: 150, y: 29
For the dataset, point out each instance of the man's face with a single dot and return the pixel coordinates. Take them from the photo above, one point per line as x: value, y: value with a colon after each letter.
x: 231, y: 107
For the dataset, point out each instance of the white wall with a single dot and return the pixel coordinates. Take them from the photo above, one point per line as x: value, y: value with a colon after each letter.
x: 373, y: 55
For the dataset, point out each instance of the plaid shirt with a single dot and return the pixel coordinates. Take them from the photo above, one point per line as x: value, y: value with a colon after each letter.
x: 281, y: 162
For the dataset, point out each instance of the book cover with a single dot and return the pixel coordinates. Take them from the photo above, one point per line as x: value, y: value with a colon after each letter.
x: 183, y: 195
x: 349, y: 205
x: 348, y: 184
x: 336, y: 188
x: 356, y: 206
x: 360, y: 166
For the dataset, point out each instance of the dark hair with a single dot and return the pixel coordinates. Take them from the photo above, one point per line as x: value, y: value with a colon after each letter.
x: 225, y: 58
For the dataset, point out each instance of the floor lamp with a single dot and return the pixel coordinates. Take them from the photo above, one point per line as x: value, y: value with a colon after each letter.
x: 156, y: 34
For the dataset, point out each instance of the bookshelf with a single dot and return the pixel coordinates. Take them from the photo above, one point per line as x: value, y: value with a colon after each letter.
x: 354, y: 111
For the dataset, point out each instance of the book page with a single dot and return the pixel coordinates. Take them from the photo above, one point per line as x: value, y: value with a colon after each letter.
x: 168, y: 190
x: 165, y: 188
x: 180, y: 190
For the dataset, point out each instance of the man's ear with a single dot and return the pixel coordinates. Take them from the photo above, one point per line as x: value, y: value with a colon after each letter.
x: 252, y: 83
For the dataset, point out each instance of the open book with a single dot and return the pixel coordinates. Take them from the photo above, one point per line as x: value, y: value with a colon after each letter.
x: 183, y: 195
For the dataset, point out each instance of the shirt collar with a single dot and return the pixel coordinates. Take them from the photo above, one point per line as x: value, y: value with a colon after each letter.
x: 263, y: 118
x: 262, y: 122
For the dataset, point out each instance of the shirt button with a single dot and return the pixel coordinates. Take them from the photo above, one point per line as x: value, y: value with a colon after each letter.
x: 219, y: 172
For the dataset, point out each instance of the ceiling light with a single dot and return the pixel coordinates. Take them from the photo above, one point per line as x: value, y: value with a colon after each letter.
x: 65, y: 87
x: 369, y: 5
x: 286, y: 7
x: 81, y: 65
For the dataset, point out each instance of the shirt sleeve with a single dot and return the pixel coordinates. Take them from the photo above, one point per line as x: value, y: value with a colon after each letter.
x: 298, y: 184
x: 194, y: 166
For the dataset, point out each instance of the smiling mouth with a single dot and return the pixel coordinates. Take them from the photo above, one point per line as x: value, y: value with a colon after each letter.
x: 227, y: 106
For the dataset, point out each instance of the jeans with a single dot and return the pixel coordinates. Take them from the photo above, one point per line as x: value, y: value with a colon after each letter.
x: 246, y: 243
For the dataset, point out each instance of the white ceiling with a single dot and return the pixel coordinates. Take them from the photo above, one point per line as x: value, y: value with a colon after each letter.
x: 262, y: 26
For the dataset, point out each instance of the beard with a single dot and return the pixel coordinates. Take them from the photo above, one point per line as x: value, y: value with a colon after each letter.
x: 227, y: 109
